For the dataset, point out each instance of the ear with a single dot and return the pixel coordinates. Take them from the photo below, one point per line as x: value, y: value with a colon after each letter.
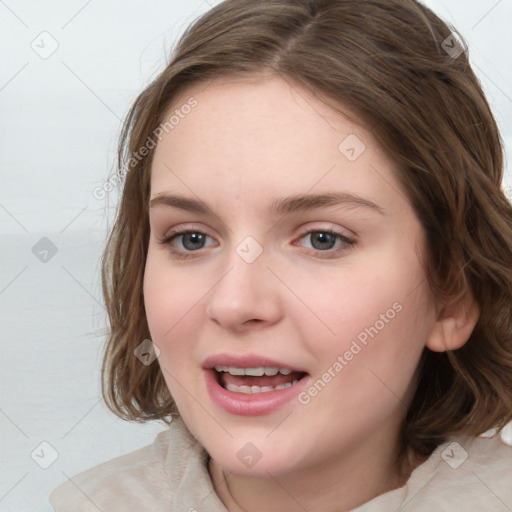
x: 454, y: 325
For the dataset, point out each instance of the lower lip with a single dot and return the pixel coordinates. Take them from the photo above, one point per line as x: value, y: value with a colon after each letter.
x: 253, y: 404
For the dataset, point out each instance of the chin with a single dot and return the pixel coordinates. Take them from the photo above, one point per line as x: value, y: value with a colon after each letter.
x: 255, y: 456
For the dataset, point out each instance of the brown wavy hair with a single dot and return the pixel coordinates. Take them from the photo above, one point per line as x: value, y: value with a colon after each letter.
x: 386, y: 61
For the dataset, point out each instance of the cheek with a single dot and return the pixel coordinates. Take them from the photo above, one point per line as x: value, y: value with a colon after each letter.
x: 169, y: 294
x: 171, y: 302
x: 367, y: 367
x: 376, y: 314
x: 158, y: 299
x: 172, y: 308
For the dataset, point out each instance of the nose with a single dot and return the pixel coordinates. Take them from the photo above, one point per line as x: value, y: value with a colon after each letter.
x: 247, y: 296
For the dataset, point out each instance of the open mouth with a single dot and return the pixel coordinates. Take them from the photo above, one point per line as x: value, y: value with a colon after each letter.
x: 256, y: 380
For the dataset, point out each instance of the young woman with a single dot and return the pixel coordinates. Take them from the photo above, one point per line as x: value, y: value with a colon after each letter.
x: 310, y: 272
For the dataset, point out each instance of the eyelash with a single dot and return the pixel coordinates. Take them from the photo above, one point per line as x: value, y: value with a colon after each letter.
x: 175, y: 233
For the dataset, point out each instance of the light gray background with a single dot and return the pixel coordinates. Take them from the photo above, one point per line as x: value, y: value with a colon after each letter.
x: 59, y: 120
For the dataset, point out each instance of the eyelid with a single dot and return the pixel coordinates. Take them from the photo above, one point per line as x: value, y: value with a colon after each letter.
x: 187, y: 227
x: 308, y: 229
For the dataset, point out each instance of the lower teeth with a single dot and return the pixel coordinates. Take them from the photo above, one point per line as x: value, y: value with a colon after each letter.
x: 248, y: 390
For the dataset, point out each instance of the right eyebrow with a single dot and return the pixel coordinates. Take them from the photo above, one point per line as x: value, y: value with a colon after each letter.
x: 181, y: 202
x: 279, y: 206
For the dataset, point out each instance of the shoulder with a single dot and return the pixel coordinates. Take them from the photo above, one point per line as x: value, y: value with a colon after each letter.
x: 138, y: 480
x: 473, y: 474
x: 465, y: 473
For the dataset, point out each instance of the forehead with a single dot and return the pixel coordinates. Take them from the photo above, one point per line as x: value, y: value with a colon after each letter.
x: 266, y: 137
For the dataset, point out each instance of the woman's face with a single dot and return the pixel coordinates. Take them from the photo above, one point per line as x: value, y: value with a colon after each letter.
x: 282, y: 269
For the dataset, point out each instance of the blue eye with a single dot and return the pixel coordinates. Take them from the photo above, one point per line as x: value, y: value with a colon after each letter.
x: 324, y: 240
x: 191, y: 241
x: 184, y: 243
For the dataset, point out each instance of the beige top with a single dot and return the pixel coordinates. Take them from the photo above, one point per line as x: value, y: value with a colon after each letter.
x: 463, y: 474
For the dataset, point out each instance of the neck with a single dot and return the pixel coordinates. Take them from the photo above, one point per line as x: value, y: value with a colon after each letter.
x: 340, y: 484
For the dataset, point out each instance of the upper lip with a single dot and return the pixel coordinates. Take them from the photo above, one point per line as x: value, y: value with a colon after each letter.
x: 245, y: 361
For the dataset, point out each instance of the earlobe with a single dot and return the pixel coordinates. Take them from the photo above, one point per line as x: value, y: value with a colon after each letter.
x: 454, y: 324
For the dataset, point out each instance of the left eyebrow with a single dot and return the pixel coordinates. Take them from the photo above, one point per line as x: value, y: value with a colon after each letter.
x: 279, y: 206
x: 291, y: 204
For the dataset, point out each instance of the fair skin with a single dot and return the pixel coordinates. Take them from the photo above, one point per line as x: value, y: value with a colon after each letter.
x: 246, y: 143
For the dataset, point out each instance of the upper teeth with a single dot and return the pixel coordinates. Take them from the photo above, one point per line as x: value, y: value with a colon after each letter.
x: 256, y: 372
